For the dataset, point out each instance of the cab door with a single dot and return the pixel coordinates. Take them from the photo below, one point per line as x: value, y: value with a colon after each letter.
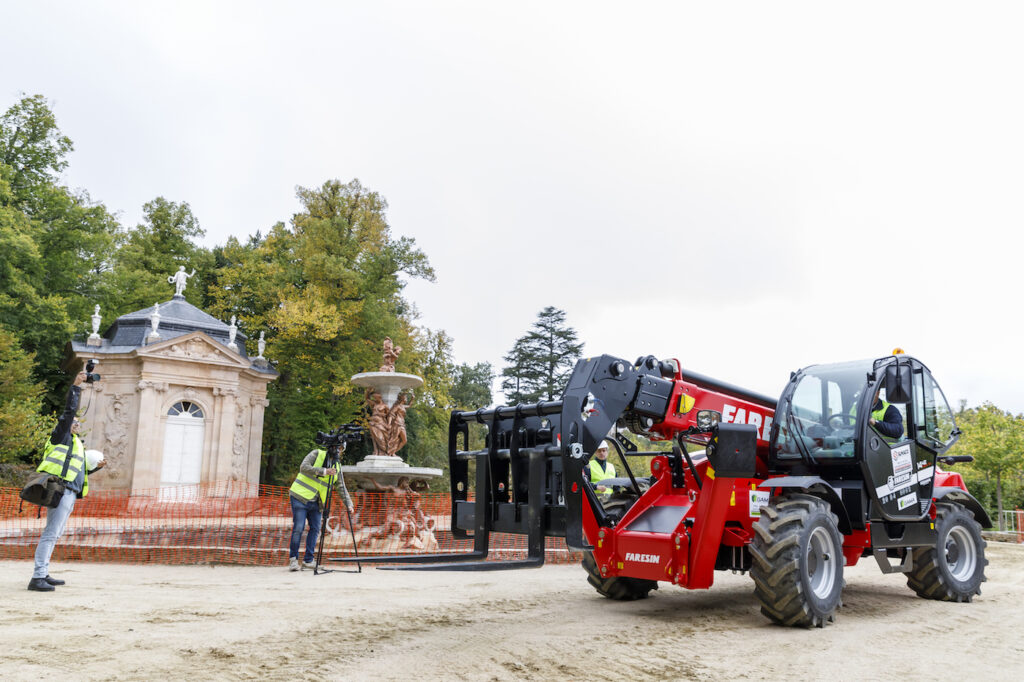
x: 894, y: 469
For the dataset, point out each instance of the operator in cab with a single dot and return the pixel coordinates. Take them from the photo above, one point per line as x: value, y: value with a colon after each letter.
x: 600, y: 468
x: 885, y: 418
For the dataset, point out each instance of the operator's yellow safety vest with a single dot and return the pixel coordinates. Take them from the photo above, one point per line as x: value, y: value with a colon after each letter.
x: 596, y: 474
x: 308, y: 487
x: 53, y: 462
x: 879, y: 415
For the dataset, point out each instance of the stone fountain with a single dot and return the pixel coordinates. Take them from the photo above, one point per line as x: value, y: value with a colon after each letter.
x: 392, y: 521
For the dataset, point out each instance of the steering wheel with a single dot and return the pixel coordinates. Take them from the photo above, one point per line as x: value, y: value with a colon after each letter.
x: 842, y: 419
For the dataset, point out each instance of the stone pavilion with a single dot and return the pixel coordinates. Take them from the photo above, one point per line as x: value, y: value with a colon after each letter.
x: 180, y: 402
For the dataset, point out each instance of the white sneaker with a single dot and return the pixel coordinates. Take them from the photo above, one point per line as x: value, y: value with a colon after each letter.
x: 311, y: 565
x: 293, y: 565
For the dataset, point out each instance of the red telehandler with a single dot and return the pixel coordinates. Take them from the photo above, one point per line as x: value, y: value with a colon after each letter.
x: 790, y: 492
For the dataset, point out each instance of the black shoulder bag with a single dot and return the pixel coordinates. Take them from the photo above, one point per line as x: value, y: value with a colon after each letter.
x: 45, y: 489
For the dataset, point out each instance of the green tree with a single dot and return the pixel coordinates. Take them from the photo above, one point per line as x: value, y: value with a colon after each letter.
x: 22, y: 429
x: 327, y: 290
x: 471, y: 387
x: 55, y: 244
x: 995, y: 439
x: 540, y: 362
x: 32, y: 147
x: 165, y: 240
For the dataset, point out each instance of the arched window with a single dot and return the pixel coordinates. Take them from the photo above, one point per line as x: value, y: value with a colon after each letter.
x: 185, y: 409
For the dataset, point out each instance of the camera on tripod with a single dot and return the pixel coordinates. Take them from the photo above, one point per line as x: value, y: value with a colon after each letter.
x: 90, y: 365
x: 346, y: 433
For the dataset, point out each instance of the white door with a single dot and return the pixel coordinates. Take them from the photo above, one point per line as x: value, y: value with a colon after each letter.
x: 183, y: 452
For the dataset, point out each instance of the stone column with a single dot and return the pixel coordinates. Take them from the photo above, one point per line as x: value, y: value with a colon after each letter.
x: 259, y: 404
x: 149, y: 446
x: 226, y: 409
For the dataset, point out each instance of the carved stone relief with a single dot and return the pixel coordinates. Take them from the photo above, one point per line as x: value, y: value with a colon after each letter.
x: 115, y: 447
x: 158, y: 386
x: 240, y: 444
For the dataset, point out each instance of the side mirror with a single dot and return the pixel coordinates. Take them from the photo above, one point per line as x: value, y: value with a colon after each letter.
x: 897, y: 383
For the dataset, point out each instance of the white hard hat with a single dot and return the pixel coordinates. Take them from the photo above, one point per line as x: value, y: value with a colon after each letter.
x: 603, y: 444
x: 92, y: 458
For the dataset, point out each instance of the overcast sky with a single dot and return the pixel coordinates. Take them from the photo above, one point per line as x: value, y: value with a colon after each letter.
x: 748, y: 187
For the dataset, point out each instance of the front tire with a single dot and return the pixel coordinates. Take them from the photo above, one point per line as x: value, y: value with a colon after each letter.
x: 954, y: 569
x: 798, y: 561
x: 618, y: 588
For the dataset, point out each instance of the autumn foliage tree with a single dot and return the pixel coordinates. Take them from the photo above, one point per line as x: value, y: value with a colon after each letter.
x: 995, y: 438
x: 327, y: 290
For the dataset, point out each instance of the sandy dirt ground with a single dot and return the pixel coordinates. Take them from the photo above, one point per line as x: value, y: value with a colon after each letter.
x: 130, y: 622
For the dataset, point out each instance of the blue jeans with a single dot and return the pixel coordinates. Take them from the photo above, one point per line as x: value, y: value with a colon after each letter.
x: 56, y: 521
x: 301, y: 513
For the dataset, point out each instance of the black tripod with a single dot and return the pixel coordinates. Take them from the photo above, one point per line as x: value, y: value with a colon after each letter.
x: 333, y: 461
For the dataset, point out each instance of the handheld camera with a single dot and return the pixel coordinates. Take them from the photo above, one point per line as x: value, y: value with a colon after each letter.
x: 346, y: 433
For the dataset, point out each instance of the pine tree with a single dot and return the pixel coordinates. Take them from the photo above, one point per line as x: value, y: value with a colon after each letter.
x: 540, y: 362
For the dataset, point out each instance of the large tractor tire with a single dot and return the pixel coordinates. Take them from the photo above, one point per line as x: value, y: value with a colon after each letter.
x: 954, y: 569
x: 798, y: 561
x: 619, y: 588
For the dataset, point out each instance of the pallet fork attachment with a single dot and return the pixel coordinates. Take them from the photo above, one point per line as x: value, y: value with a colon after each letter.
x: 530, y: 476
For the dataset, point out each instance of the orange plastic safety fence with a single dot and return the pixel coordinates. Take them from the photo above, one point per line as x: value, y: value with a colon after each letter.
x: 239, y: 523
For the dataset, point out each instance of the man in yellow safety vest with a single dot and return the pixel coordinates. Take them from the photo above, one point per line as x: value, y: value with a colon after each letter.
x: 308, y: 495
x: 886, y: 418
x: 64, y: 456
x: 600, y: 468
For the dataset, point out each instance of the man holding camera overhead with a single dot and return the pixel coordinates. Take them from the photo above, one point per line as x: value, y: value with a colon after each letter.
x: 308, y: 496
x: 64, y: 456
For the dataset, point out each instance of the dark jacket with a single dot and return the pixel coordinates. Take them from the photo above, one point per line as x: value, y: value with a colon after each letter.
x: 62, y: 432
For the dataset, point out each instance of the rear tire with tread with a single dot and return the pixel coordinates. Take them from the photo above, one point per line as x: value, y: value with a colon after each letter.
x: 798, y: 561
x: 956, y: 571
x: 618, y: 588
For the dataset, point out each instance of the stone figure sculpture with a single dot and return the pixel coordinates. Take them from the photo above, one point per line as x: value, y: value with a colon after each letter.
x: 391, y: 352
x: 403, y: 517
x: 154, y: 322
x: 396, y: 422
x: 232, y: 332
x: 261, y: 345
x: 180, y: 279
x: 378, y: 423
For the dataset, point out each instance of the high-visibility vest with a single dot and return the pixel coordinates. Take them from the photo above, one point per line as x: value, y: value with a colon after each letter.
x: 596, y: 474
x: 308, y: 487
x: 53, y: 462
x: 879, y: 416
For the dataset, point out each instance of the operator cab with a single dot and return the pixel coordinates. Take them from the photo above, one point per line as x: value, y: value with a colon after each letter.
x: 824, y: 419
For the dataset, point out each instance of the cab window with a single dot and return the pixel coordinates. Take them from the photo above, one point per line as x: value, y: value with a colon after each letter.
x: 933, y: 420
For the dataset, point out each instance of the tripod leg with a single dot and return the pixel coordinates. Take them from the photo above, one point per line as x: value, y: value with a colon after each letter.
x: 355, y: 549
x: 323, y: 533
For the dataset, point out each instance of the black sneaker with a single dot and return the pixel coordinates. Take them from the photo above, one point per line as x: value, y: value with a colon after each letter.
x: 53, y: 581
x: 40, y: 585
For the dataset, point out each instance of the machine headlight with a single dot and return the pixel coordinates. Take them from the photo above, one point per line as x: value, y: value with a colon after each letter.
x: 708, y: 419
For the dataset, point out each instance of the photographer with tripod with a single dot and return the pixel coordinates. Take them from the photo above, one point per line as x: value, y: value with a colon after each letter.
x: 309, y: 494
x: 64, y: 456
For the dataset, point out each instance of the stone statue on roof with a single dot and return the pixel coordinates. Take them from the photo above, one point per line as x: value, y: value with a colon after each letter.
x: 232, y: 332
x: 180, y: 279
